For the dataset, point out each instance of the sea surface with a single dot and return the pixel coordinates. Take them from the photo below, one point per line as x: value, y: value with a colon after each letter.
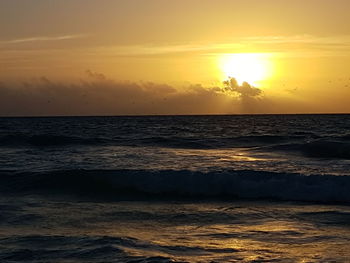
x: 245, y: 188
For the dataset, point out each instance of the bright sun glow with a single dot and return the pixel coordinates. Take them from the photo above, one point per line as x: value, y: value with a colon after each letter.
x: 249, y: 67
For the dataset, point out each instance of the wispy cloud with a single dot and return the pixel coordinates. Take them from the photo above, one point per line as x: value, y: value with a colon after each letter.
x: 41, y: 39
x: 297, y: 43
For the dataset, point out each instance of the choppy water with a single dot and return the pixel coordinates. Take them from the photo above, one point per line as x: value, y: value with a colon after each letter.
x: 271, y: 188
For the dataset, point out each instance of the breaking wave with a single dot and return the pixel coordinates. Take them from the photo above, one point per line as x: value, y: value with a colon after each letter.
x: 46, y: 140
x: 325, y: 148
x: 316, y: 147
x: 245, y: 184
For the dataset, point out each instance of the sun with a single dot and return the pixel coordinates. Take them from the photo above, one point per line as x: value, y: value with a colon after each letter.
x: 249, y: 67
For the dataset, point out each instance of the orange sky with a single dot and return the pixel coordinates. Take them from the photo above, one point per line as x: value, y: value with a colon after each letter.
x: 171, y: 57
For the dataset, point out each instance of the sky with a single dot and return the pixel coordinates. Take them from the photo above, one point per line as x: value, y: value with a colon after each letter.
x: 117, y: 57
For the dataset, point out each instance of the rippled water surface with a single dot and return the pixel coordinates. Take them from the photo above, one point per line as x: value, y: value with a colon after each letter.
x: 60, y: 230
x: 272, y: 188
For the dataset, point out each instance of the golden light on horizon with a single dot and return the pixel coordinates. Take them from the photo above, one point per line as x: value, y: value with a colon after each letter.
x: 249, y: 67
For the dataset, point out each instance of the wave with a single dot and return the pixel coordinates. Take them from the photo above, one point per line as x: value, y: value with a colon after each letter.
x: 329, y: 147
x: 40, y: 248
x: 245, y: 184
x: 47, y: 140
x: 325, y: 148
x: 95, y: 249
x: 44, y: 140
x: 216, y: 142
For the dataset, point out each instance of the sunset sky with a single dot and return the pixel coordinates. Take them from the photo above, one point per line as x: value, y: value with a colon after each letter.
x: 115, y: 57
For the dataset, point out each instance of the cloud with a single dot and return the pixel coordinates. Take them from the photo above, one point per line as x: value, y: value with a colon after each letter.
x: 95, y: 75
x: 245, y: 90
x: 41, y: 39
x: 291, y: 45
x: 98, y: 95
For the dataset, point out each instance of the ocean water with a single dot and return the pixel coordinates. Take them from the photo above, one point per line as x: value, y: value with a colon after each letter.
x: 265, y: 188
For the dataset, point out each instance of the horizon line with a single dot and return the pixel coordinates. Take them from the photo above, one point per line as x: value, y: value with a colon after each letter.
x: 168, y: 115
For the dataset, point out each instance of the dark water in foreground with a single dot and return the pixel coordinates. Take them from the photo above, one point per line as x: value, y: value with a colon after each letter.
x: 272, y: 188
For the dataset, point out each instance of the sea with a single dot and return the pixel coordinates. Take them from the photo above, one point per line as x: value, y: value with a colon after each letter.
x: 223, y: 188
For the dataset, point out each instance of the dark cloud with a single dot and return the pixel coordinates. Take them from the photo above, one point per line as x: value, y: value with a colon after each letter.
x: 95, y: 75
x: 98, y: 95
x: 245, y: 90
